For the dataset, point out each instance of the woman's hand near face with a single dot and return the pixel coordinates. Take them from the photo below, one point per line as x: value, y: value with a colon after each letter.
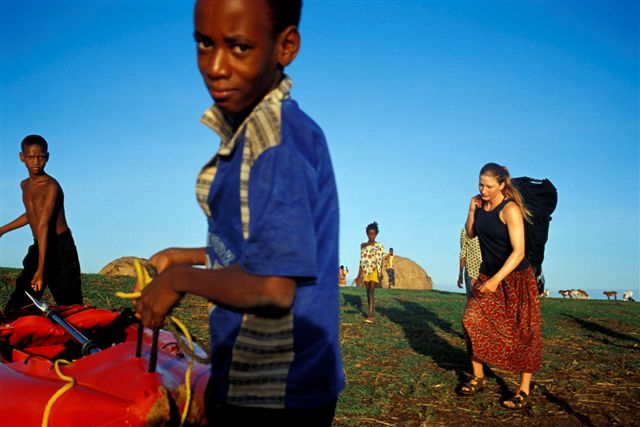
x: 476, y: 202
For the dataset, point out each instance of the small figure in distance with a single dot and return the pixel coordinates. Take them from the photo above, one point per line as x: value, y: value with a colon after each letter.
x: 391, y: 273
x: 369, y: 272
x: 52, y: 260
x: 342, y: 276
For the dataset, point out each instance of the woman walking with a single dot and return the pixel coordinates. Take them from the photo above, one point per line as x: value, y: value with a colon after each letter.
x: 502, y: 320
x: 371, y: 253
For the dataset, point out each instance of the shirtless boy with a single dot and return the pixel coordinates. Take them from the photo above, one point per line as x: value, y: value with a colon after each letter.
x: 52, y: 260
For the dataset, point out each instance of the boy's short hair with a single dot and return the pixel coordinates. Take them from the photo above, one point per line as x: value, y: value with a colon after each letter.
x: 284, y: 13
x: 34, y: 140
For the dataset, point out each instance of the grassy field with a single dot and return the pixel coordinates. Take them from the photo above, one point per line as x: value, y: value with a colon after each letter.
x: 402, y: 371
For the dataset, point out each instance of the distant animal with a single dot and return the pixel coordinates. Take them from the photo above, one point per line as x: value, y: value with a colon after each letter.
x: 627, y: 296
x: 566, y: 293
x: 610, y: 294
x: 579, y: 293
x: 545, y: 293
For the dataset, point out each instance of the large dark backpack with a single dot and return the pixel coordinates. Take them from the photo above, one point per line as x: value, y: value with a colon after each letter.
x: 541, y: 198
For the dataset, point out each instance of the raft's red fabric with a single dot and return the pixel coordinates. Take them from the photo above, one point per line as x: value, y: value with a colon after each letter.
x: 113, y: 387
x: 38, y: 330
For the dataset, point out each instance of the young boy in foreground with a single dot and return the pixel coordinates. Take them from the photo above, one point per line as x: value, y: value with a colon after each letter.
x: 52, y: 260
x: 272, y: 248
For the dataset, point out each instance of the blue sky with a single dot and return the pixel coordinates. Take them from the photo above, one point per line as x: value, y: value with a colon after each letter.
x: 414, y: 97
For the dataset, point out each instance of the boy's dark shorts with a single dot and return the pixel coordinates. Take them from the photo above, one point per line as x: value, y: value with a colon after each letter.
x: 61, y: 273
x: 223, y: 415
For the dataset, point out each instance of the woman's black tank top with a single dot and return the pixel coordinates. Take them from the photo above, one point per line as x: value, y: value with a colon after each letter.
x: 495, y: 245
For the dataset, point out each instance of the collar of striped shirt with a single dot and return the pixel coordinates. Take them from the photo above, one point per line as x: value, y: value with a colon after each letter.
x: 214, y: 117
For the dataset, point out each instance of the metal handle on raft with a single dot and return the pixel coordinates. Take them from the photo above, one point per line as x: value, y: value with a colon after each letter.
x: 87, y: 346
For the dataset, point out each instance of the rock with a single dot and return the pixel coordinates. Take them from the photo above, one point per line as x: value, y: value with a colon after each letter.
x: 408, y: 274
x: 122, y: 267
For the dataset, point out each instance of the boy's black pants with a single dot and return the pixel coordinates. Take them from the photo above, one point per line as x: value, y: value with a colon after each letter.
x: 61, y: 273
x: 223, y: 415
x: 220, y: 414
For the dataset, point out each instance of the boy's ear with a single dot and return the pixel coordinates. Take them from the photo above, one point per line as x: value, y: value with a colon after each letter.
x: 21, y: 156
x: 288, y: 45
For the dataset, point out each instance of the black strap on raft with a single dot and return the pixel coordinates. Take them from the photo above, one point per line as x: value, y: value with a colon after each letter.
x: 139, y: 341
x: 153, y: 357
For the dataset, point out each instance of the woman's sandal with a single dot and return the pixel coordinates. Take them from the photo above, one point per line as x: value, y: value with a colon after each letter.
x: 521, y: 400
x: 471, y: 387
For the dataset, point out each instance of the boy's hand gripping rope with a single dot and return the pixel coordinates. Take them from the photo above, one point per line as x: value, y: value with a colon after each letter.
x: 142, y: 280
x: 175, y: 326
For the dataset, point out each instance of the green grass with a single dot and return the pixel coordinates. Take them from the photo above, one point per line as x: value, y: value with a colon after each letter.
x: 403, y: 369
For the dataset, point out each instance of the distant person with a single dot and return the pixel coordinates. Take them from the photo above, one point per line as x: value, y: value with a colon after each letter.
x: 52, y: 260
x: 270, y: 198
x: 502, y: 319
x: 370, y: 270
x: 391, y: 273
x: 470, y: 259
x: 342, y: 275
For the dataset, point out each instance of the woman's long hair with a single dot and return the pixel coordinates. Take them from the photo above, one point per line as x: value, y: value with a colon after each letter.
x: 501, y: 174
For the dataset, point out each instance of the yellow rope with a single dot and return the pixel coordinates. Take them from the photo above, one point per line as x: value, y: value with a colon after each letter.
x: 187, y: 375
x: 128, y: 295
x: 71, y: 382
x: 143, y: 279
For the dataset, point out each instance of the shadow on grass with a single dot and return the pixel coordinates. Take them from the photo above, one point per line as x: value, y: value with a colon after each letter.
x: 595, y: 327
x: 420, y: 326
x: 354, y: 301
x: 562, y: 403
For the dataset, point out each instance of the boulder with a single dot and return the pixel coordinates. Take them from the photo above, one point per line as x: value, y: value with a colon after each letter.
x: 408, y: 274
x: 122, y: 267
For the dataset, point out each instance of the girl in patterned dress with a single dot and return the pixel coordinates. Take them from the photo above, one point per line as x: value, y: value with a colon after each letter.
x: 371, y: 253
x: 502, y: 320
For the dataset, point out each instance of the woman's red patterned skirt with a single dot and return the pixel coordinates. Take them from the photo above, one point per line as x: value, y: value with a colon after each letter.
x: 504, y: 328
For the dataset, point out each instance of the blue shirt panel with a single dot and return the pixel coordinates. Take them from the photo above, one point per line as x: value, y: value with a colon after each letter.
x: 293, y: 232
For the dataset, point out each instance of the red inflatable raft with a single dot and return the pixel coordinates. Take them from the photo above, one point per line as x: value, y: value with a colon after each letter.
x: 111, y: 387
